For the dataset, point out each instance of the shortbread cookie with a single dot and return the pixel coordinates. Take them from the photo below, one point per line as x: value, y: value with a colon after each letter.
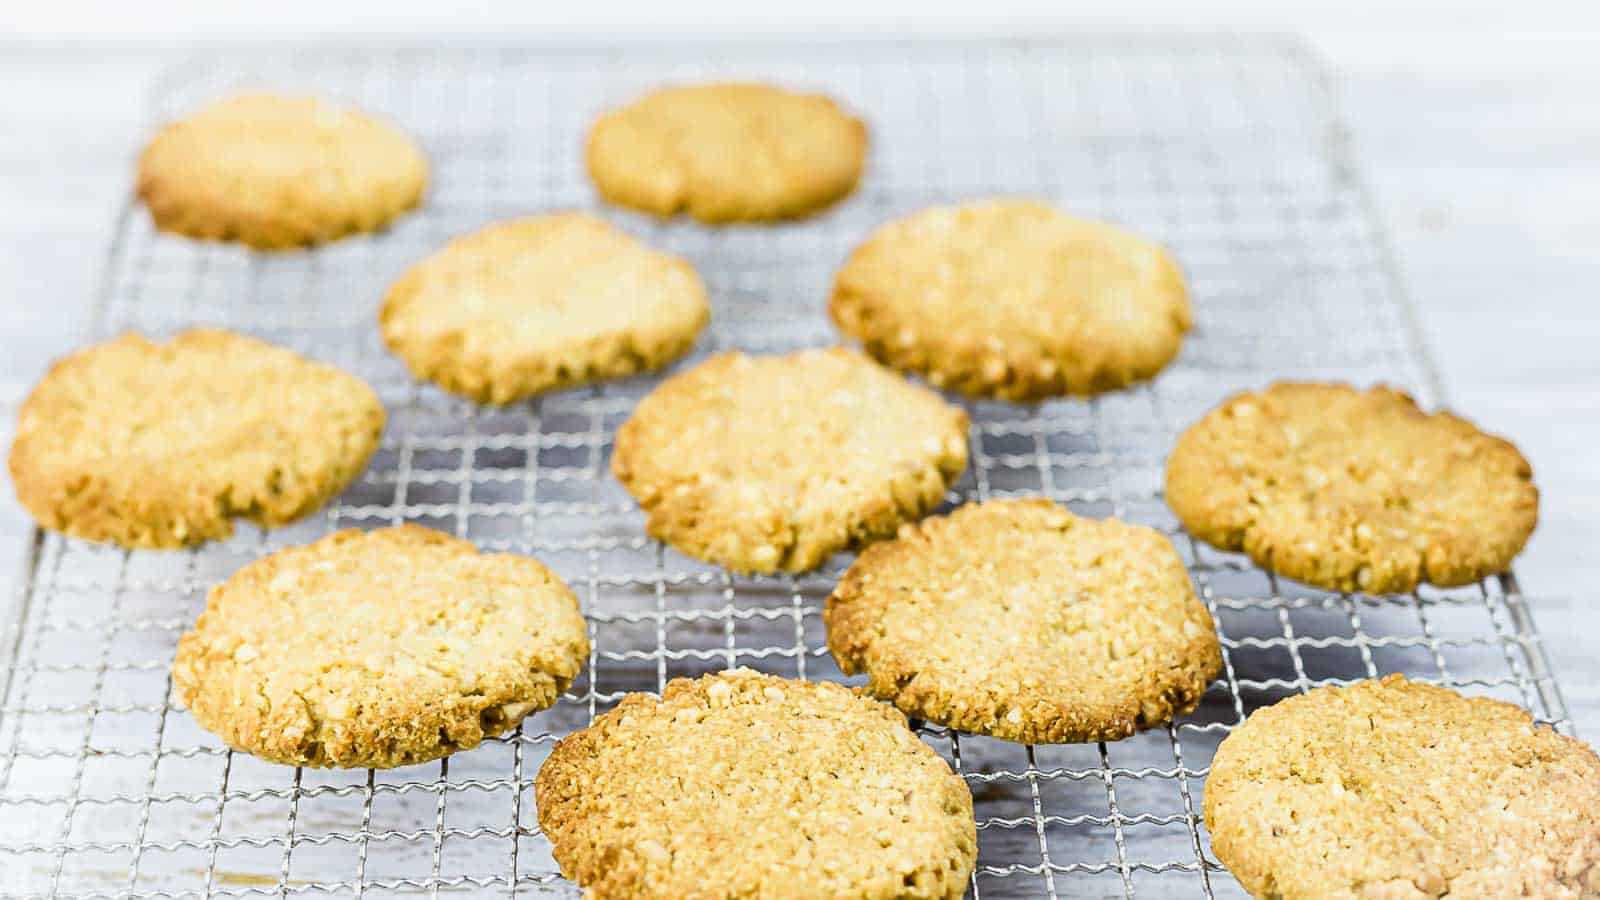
x: 775, y: 463
x: 162, y: 445
x: 1013, y: 299
x: 746, y: 785
x: 1352, y: 490
x: 542, y: 303
x: 1397, y: 789
x: 727, y: 153
x: 380, y: 649
x: 278, y: 172
x: 1018, y: 619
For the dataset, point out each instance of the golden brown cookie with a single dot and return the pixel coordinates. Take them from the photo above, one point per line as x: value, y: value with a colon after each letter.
x: 727, y: 153
x: 1397, y: 789
x: 1352, y: 490
x: 1013, y: 299
x: 775, y: 463
x: 278, y: 172
x: 1018, y: 619
x: 381, y: 649
x: 542, y: 303
x: 162, y: 445
x: 745, y: 785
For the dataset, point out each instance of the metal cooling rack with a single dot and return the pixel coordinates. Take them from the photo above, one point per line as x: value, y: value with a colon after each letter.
x: 1229, y: 150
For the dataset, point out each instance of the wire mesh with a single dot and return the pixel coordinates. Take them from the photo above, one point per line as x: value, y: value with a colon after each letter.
x: 1226, y: 149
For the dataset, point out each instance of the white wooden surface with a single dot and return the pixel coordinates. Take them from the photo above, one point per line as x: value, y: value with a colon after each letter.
x: 1481, y: 147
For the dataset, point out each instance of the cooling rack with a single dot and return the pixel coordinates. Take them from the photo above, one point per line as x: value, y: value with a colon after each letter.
x: 1227, y: 149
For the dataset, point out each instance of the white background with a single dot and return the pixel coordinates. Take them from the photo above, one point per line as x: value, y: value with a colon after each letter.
x: 1478, y: 124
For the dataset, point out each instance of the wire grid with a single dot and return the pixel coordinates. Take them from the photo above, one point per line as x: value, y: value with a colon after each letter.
x: 1228, y: 150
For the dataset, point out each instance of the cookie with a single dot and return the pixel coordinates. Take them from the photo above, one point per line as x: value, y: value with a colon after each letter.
x: 162, y: 445
x: 775, y: 463
x: 276, y: 172
x: 1352, y: 490
x: 727, y: 153
x: 1397, y: 789
x: 1014, y: 300
x: 1017, y: 619
x: 760, y: 787
x: 380, y: 649
x: 539, y: 304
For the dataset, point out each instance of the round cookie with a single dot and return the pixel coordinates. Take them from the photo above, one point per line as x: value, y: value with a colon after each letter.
x: 727, y: 153
x: 1396, y: 789
x: 1013, y: 299
x: 542, y: 303
x: 761, y: 786
x: 1352, y: 490
x: 380, y: 649
x: 1018, y: 619
x: 775, y: 463
x: 162, y: 445
x: 277, y: 172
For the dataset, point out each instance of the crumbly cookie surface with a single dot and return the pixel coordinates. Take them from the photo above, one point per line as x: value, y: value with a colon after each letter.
x: 380, y: 649
x: 1017, y: 619
x: 1352, y: 490
x: 276, y: 172
x: 542, y: 303
x: 1395, y: 789
x: 775, y: 463
x: 162, y: 445
x: 746, y: 785
x: 1013, y: 299
x: 727, y: 153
